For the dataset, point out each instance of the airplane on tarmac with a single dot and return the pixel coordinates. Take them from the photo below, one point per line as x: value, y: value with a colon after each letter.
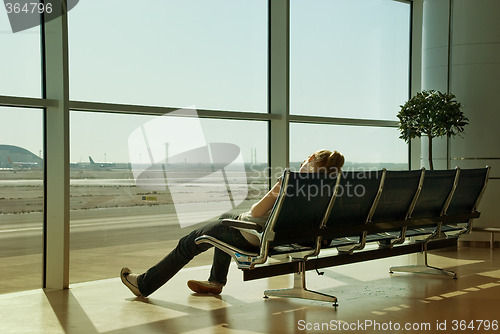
x: 101, y: 164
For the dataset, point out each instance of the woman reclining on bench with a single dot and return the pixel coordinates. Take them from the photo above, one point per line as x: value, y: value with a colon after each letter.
x: 159, y: 274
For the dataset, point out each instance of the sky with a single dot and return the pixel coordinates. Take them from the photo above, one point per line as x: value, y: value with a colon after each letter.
x: 347, y: 59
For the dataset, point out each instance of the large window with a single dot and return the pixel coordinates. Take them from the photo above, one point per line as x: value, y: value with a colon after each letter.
x: 138, y: 180
x: 129, y: 210
x: 206, y: 54
x: 364, y: 147
x: 21, y: 199
x: 349, y: 58
x: 20, y: 60
x: 21, y: 163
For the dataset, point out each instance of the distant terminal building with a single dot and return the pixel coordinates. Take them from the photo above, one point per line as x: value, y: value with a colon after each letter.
x: 18, y: 157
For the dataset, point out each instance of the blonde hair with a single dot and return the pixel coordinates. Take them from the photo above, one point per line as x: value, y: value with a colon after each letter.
x: 328, y: 161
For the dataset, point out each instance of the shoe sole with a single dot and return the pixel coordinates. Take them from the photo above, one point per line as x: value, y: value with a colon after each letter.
x: 123, y: 275
x: 199, y: 288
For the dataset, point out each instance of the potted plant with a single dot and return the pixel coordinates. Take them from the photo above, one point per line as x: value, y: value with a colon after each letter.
x: 433, y: 114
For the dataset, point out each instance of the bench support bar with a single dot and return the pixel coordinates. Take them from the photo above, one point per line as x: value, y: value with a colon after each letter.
x: 299, y: 289
x: 277, y: 269
x: 422, y: 266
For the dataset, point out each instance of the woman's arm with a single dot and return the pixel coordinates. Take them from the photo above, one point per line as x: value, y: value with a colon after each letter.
x: 266, y: 203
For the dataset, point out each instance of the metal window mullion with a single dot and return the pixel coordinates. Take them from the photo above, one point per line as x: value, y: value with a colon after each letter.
x: 56, y: 150
x: 25, y: 102
x: 416, y: 73
x: 342, y: 121
x: 278, y: 86
x: 86, y: 106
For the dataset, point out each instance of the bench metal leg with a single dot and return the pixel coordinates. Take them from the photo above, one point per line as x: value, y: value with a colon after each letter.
x: 299, y: 289
x: 422, y: 267
x: 351, y: 248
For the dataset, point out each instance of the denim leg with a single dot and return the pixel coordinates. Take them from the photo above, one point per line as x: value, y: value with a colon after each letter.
x: 220, y: 266
x: 222, y: 260
x: 184, y: 252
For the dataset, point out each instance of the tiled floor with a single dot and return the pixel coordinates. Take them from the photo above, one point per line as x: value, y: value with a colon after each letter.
x: 367, y: 295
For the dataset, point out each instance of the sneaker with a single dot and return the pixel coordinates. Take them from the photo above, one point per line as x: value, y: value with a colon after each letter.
x: 130, y: 281
x: 205, y: 287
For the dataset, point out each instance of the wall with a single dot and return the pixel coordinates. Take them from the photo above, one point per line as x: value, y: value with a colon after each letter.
x: 461, y: 54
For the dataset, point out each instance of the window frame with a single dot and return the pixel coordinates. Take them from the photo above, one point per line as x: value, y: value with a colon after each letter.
x: 56, y: 105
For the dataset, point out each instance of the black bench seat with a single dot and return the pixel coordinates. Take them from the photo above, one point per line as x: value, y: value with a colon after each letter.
x: 333, y: 221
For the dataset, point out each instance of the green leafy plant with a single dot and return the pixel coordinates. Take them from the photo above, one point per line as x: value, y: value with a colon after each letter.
x: 433, y: 114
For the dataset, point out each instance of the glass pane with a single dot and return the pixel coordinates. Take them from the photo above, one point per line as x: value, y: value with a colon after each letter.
x: 136, y: 190
x: 20, y: 65
x: 205, y: 54
x: 363, y: 147
x: 21, y: 199
x: 349, y: 58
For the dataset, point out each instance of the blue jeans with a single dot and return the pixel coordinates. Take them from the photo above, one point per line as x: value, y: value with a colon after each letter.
x: 187, y: 249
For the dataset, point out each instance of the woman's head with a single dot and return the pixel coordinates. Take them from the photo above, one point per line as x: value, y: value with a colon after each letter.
x: 323, y: 161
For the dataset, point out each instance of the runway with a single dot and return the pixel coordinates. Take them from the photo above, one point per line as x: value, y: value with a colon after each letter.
x: 22, y: 234
x: 113, y: 222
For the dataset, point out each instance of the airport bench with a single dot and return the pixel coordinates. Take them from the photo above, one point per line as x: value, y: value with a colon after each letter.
x: 322, y: 221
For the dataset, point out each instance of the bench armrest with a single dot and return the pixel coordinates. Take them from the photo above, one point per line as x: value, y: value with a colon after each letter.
x: 244, y: 259
x: 242, y: 224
